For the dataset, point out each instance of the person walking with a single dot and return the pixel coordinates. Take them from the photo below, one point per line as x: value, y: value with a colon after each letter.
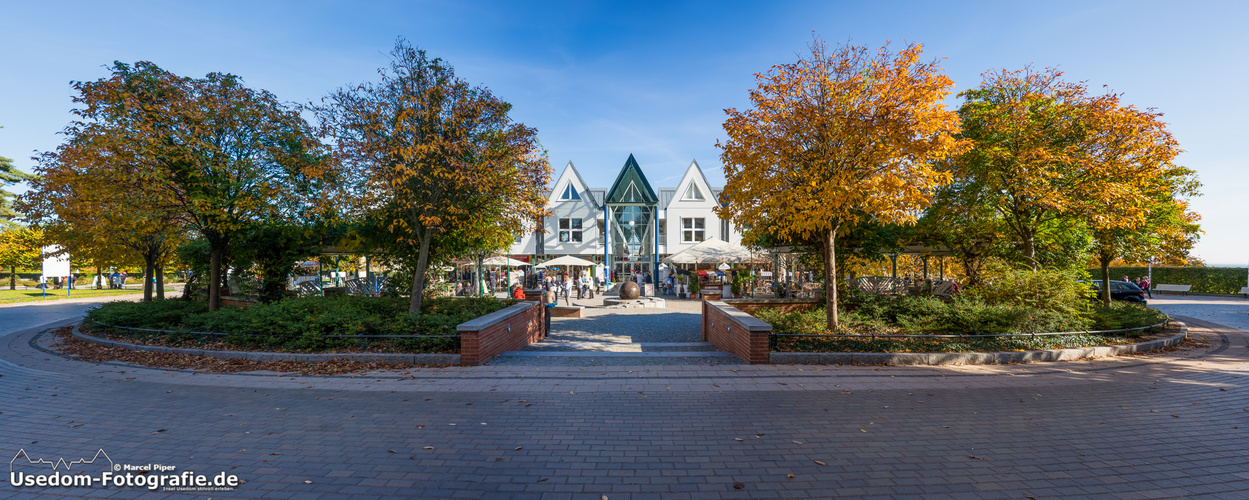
x: 567, y: 291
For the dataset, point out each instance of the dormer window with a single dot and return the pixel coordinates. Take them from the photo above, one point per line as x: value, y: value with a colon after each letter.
x: 693, y: 193
x: 570, y: 194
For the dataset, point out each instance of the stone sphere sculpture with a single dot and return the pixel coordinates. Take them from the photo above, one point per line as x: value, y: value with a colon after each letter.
x: 630, y: 291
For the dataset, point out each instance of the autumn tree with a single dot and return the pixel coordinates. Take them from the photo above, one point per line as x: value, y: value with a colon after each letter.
x: 20, y: 246
x: 89, y: 202
x: 1030, y: 164
x: 1135, y: 205
x: 838, y: 135
x: 435, y: 155
x: 222, y: 156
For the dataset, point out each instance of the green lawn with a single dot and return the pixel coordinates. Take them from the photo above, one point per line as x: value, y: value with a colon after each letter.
x: 13, y: 296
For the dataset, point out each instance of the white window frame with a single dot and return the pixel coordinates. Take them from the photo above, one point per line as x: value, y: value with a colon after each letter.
x: 693, y: 229
x: 571, y: 230
x: 692, y: 193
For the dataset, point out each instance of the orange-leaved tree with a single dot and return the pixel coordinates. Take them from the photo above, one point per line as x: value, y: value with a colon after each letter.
x: 841, y: 134
x: 434, y: 156
x: 1135, y: 202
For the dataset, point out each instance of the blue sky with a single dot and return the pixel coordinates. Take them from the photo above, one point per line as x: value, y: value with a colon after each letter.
x: 603, y: 80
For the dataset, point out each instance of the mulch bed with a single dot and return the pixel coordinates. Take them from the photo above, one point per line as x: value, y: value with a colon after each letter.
x: 96, y: 353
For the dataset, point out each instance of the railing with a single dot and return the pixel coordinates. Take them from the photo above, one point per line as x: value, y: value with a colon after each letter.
x: 774, y: 337
x: 267, y: 335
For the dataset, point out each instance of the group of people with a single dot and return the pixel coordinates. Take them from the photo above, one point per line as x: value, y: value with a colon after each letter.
x: 554, y: 287
x: 1142, y: 282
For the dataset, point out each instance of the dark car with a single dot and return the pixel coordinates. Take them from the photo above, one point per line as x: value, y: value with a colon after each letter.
x: 1122, y: 290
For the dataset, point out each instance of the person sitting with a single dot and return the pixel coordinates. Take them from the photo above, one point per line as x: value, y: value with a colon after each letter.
x: 518, y: 293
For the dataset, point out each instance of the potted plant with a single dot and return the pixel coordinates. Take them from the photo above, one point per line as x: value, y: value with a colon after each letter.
x: 681, y: 286
x: 693, y: 287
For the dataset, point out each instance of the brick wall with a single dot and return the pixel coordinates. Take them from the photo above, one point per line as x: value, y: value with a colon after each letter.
x: 509, y: 329
x: 750, y: 306
x: 735, y: 331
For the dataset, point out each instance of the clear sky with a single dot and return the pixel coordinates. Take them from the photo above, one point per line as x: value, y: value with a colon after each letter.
x: 603, y: 80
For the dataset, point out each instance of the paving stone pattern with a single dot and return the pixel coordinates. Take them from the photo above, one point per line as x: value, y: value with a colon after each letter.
x: 1158, y: 426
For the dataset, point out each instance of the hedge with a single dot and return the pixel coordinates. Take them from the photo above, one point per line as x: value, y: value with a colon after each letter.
x: 1203, y: 279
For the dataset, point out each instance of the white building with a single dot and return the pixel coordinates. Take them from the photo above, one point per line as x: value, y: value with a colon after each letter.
x: 645, y: 225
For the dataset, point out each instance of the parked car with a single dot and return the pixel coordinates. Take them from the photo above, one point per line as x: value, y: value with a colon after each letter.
x: 1122, y: 290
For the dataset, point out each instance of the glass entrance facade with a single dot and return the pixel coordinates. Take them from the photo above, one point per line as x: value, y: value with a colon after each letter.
x: 633, y: 239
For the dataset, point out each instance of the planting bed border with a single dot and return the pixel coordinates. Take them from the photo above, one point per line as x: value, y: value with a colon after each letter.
x: 975, y: 358
x: 421, y: 359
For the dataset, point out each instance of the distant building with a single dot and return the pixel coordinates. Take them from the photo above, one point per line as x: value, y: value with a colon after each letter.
x: 629, y: 227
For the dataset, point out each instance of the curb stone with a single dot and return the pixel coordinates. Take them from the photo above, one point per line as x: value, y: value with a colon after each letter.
x: 973, y: 358
x: 363, y: 357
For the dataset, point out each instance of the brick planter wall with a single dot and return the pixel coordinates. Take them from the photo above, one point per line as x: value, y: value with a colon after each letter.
x: 509, y: 329
x: 750, y: 306
x: 735, y: 331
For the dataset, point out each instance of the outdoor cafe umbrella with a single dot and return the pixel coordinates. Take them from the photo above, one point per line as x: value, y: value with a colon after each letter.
x: 566, y: 260
x: 504, y: 261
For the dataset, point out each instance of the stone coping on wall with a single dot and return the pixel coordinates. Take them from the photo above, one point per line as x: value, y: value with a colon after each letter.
x: 743, y: 318
x: 768, y: 301
x: 475, y: 325
x: 418, y: 359
x: 974, y: 358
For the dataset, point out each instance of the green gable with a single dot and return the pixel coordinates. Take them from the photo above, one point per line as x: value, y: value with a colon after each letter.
x: 631, y: 187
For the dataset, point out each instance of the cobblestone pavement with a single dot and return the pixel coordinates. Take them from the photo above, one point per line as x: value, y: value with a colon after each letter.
x: 1157, y: 426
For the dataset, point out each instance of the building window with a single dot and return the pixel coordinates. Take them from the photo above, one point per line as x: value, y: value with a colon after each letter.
x: 724, y: 229
x: 570, y: 230
x: 570, y: 194
x: 663, y: 231
x: 694, y: 229
x: 693, y: 193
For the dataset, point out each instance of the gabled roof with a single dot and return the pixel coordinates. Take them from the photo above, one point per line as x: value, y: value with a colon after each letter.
x: 693, y: 177
x: 631, y: 187
x: 573, y: 178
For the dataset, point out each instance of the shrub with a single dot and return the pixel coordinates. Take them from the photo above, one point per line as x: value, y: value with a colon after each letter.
x: 304, y: 323
x: 1125, y: 315
x: 1045, y: 289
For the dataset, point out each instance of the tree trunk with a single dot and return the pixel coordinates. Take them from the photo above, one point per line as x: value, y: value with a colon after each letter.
x: 830, y: 280
x: 1105, y: 295
x: 147, y: 278
x: 99, y: 278
x: 418, y: 276
x: 12, y: 277
x: 214, y: 279
x: 1029, y: 251
x: 160, y: 282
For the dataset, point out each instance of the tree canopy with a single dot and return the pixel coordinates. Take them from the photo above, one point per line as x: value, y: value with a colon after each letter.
x: 840, y: 135
x: 9, y: 174
x: 216, y: 155
x: 435, y: 155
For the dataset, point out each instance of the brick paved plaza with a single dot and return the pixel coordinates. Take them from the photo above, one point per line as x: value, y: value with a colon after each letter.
x: 1156, y: 426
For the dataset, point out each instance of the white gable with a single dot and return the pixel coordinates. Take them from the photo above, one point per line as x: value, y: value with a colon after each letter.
x: 569, y: 187
x: 694, y: 189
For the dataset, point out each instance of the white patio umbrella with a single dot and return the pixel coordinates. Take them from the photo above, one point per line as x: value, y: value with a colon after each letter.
x: 712, y: 251
x: 499, y: 260
x: 566, y: 260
